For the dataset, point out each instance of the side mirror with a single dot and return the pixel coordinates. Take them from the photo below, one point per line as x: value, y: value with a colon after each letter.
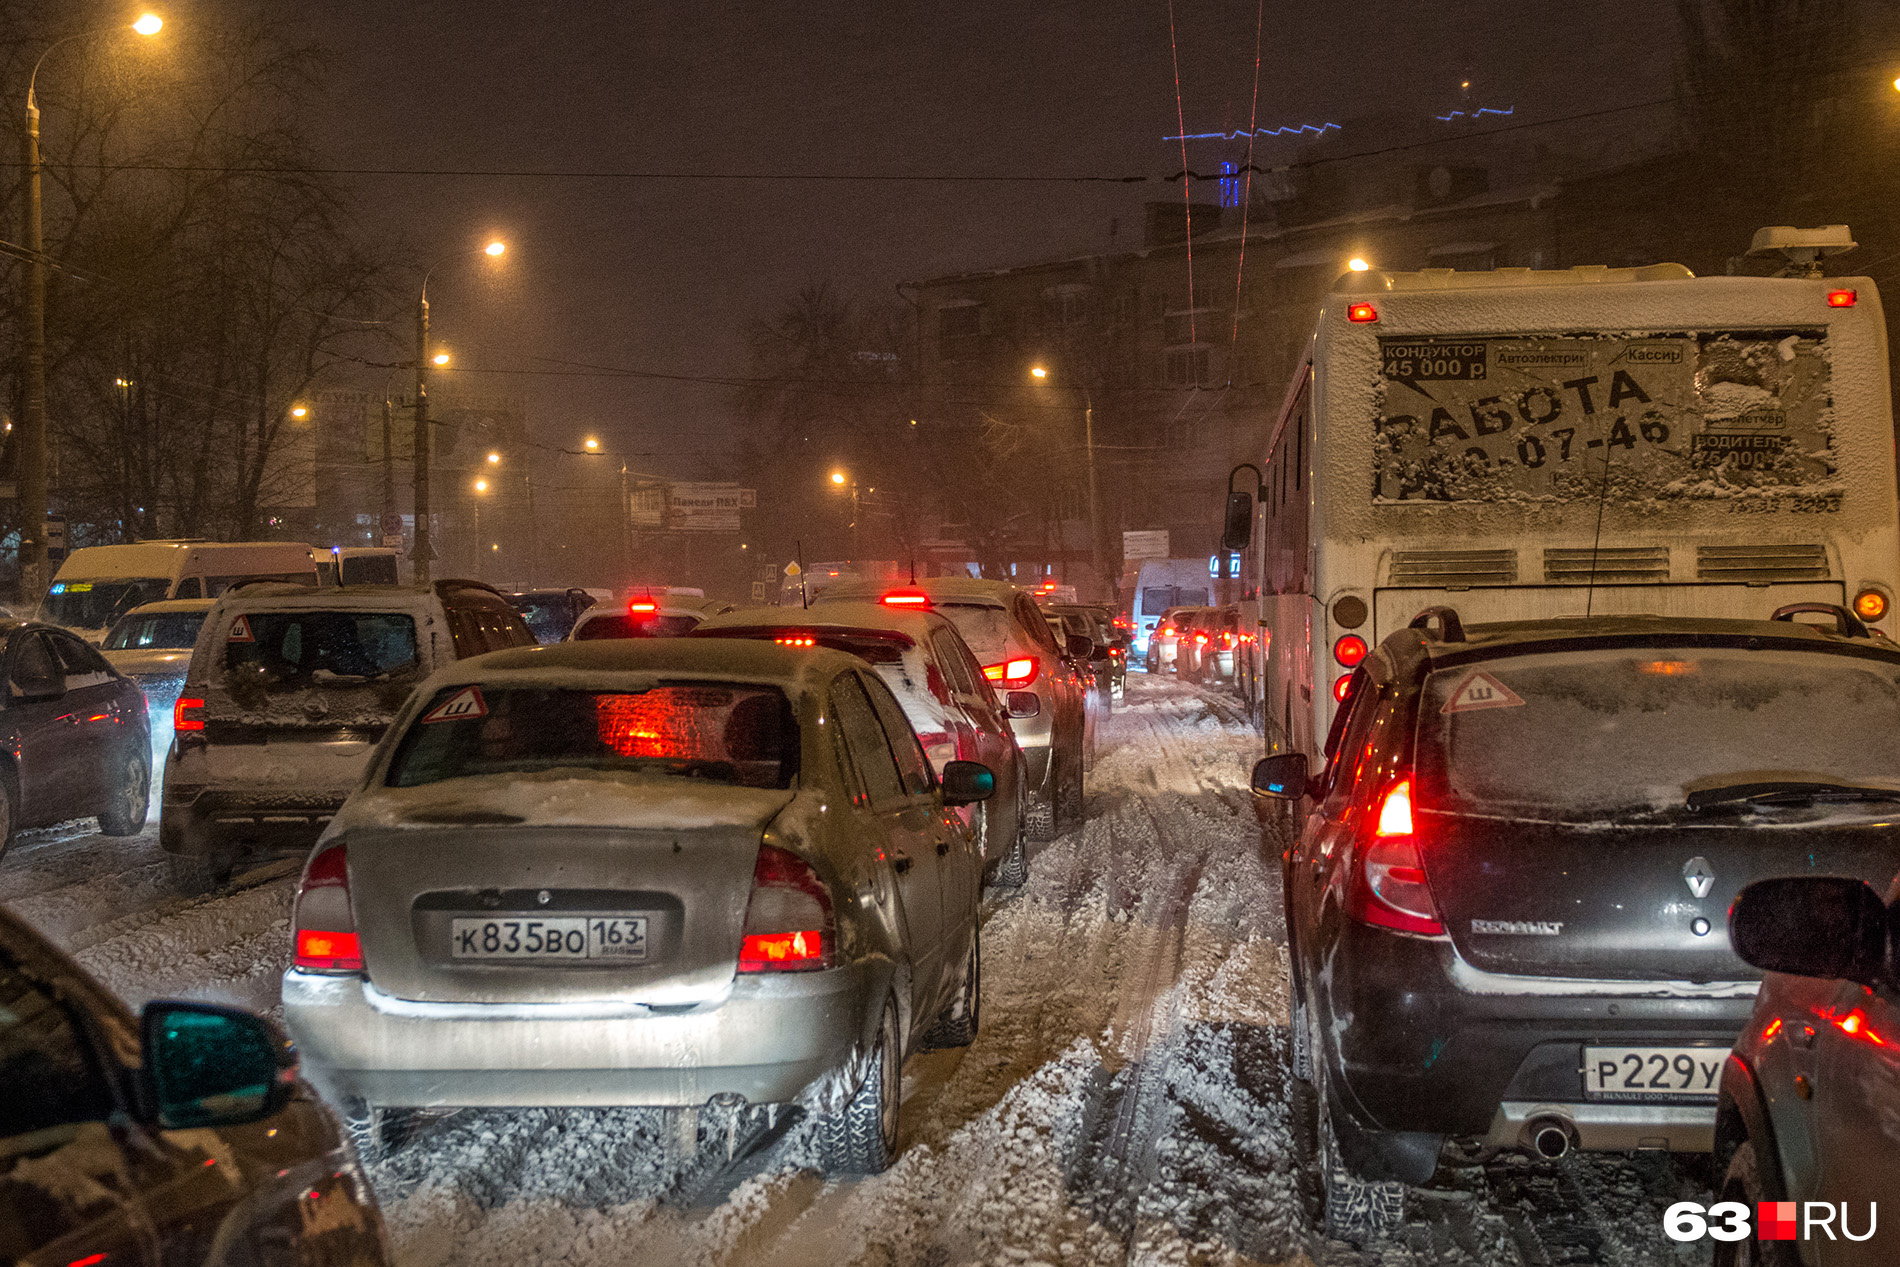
x: 1079, y: 648
x: 206, y: 1065
x: 1237, y: 528
x: 967, y: 782
x: 1023, y: 704
x: 1811, y: 926
x: 1282, y: 776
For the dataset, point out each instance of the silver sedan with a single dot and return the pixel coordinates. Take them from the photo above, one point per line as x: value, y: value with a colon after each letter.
x: 657, y: 872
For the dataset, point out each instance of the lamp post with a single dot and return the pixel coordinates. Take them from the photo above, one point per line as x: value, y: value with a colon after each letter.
x: 481, y: 490
x: 839, y: 480
x: 423, y: 551
x: 1041, y: 374
x: 32, y: 450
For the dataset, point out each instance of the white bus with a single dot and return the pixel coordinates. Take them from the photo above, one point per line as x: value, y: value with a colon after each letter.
x: 1521, y: 445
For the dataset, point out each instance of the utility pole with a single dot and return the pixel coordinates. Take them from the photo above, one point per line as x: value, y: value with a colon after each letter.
x: 389, y: 469
x: 32, y: 445
x: 423, y: 551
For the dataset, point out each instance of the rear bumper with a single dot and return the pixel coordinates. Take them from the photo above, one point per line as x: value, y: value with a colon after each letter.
x: 766, y: 1041
x: 222, y: 822
x: 1424, y: 1042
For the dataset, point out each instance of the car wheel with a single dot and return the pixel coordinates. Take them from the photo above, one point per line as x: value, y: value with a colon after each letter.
x: 1357, y: 1210
x: 124, y: 815
x: 7, y: 815
x: 861, y: 1138
x: 1743, y: 1182
x: 1013, y: 871
x: 377, y: 1132
x: 957, y: 1026
x: 1303, y: 1123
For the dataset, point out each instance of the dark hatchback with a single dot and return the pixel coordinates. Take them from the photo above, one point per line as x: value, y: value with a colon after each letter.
x: 74, y: 738
x: 1506, y: 908
x: 178, y: 1136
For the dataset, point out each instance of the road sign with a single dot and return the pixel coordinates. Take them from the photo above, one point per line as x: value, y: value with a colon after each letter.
x: 1151, y: 544
x: 392, y: 523
x: 758, y: 591
x: 792, y: 569
x: 703, y: 507
x: 55, y: 534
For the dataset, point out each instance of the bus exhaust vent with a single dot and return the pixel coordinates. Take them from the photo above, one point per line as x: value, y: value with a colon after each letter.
x: 1760, y: 564
x: 1453, y: 569
x: 1614, y: 565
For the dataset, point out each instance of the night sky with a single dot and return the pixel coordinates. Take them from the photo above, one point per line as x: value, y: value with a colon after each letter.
x: 665, y: 275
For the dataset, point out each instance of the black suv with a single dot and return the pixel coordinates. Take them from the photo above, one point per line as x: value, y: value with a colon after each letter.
x: 1506, y: 908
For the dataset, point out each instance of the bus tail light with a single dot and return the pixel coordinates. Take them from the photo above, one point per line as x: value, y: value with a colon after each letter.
x: 1842, y: 298
x: 1361, y: 312
x: 1341, y: 685
x: 1350, y: 650
x: 1870, y: 604
x: 788, y: 922
x: 326, y: 937
x: 1389, y: 888
x: 1012, y: 675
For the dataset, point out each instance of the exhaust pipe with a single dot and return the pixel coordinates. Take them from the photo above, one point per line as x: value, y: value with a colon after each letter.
x: 1550, y: 1136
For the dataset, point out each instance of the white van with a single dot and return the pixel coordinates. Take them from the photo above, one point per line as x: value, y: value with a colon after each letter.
x: 358, y: 565
x: 98, y: 584
x: 1161, y: 584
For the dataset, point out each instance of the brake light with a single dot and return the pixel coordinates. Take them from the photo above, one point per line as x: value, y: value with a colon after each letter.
x: 906, y: 598
x: 796, y: 642
x: 641, y: 607
x: 1350, y: 650
x: 1842, y: 298
x: 1389, y: 889
x: 326, y: 939
x: 1201, y: 639
x: 1012, y: 675
x: 188, y: 714
x: 1361, y: 312
x: 1341, y: 685
x: 788, y: 922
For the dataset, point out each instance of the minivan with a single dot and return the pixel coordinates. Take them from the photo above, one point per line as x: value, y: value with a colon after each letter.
x: 98, y: 584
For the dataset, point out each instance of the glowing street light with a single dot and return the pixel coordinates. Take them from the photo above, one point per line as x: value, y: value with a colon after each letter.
x: 300, y: 411
x: 591, y: 444
x: 32, y: 447
x: 495, y: 248
x: 440, y: 358
x: 494, y: 459
x: 838, y: 478
x: 1037, y: 371
x: 422, y: 551
x: 481, y: 486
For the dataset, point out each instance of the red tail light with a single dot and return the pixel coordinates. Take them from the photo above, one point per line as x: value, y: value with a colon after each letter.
x: 1361, y: 312
x: 1012, y: 675
x: 1842, y: 298
x: 642, y: 607
x: 1165, y: 631
x: 906, y: 598
x: 788, y: 923
x: 796, y: 642
x: 1341, y: 685
x: 1350, y: 650
x: 326, y: 926
x: 1389, y: 890
x: 188, y: 714
x: 1201, y: 639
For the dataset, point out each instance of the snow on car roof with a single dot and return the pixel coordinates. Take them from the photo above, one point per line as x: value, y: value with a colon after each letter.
x: 627, y: 662
x: 911, y: 625
x: 1495, y: 637
x: 944, y: 589
x: 169, y: 606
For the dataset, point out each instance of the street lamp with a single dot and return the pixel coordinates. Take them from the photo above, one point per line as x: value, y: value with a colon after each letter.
x: 481, y: 487
x: 32, y: 459
x: 839, y: 479
x: 1095, y: 514
x: 422, y: 550
x: 1357, y: 264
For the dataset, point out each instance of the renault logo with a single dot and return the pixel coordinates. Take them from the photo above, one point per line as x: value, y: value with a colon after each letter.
x: 1699, y: 877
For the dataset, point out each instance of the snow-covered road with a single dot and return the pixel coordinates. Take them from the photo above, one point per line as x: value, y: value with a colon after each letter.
x: 1124, y: 1101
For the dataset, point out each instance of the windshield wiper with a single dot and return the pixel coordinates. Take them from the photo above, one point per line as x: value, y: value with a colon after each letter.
x: 1789, y: 792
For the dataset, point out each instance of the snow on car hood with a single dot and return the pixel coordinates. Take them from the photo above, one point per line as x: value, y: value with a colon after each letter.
x: 562, y: 798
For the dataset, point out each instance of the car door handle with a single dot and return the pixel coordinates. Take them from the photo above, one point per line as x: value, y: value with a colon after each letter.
x: 900, y: 862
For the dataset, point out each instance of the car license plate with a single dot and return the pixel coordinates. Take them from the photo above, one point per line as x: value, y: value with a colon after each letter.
x: 559, y: 937
x: 1649, y: 1073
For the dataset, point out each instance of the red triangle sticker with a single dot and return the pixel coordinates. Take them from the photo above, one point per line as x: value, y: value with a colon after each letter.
x: 241, y: 630
x: 1480, y: 690
x: 465, y: 705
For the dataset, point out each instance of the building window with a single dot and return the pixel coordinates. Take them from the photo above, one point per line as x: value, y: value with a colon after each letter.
x: 1188, y: 366
x: 959, y: 331
x: 1187, y: 326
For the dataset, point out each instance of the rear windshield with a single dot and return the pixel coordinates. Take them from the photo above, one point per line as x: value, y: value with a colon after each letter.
x: 986, y: 629
x: 1572, y: 735
x: 168, y: 631
x: 634, y: 627
x: 743, y: 735
x: 288, y: 651
x: 96, y: 604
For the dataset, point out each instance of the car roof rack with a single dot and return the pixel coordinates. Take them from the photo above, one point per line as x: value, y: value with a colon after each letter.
x: 1846, y: 623
x: 1450, y: 627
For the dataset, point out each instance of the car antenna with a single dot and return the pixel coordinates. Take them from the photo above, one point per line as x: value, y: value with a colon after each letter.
x: 913, y: 567
x: 804, y: 588
x: 1603, y: 496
